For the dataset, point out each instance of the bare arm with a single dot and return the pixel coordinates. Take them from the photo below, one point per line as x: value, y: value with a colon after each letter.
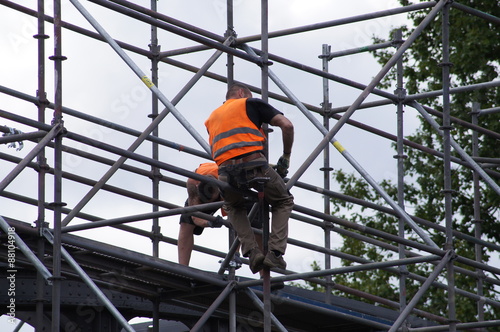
x: 194, y: 199
x: 192, y: 190
x: 286, y: 127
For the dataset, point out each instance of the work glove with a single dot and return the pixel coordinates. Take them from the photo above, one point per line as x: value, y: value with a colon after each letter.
x: 217, y: 223
x: 283, y: 164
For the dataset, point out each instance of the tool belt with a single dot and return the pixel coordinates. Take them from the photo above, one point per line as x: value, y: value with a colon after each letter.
x: 240, y: 171
x: 242, y: 159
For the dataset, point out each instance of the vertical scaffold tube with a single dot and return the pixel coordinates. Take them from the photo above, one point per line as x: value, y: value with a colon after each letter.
x: 477, y: 215
x: 325, y: 57
x: 447, y: 190
x: 231, y: 233
x: 265, y: 221
x: 401, y: 93
x: 57, y: 203
x: 155, y: 154
x: 42, y: 162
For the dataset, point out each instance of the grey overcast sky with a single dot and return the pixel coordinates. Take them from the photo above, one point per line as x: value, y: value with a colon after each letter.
x: 97, y: 82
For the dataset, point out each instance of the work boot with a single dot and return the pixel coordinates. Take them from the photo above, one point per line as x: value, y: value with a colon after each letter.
x: 256, y: 260
x: 273, y: 260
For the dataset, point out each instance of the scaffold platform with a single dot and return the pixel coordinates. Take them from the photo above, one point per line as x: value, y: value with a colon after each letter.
x: 134, y: 282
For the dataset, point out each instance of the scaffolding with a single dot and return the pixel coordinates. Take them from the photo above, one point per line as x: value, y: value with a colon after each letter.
x: 66, y: 154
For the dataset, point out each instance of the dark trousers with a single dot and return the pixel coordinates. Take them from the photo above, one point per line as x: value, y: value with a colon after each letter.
x: 276, y: 194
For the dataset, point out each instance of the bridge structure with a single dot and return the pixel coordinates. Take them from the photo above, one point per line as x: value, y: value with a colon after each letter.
x: 88, y: 194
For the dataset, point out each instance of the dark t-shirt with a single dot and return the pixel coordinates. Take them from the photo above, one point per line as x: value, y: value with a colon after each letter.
x: 260, y: 112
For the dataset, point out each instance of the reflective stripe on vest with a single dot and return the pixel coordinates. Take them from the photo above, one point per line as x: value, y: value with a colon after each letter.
x: 240, y: 144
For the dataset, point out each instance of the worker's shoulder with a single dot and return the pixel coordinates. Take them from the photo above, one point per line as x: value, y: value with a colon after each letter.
x: 207, y: 168
x: 256, y: 101
x: 260, y: 106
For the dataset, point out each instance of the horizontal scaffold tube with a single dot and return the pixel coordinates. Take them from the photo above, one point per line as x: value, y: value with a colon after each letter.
x: 346, y: 269
x: 107, y: 124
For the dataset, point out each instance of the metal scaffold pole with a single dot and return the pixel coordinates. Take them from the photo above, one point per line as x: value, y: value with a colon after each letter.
x: 232, y: 237
x: 57, y: 121
x: 155, y: 172
x: 400, y: 157
x: 35, y: 261
x: 42, y: 161
x: 421, y: 291
x: 477, y: 215
x: 264, y: 7
x: 326, y: 169
x: 448, y: 190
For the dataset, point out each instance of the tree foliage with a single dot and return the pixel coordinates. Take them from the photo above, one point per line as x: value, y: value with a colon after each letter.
x: 475, y: 58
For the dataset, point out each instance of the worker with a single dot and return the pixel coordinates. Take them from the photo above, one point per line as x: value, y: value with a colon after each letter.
x: 198, y: 193
x: 237, y: 144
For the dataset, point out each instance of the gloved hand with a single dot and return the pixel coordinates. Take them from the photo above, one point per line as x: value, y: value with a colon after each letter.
x: 283, y: 164
x: 217, y: 223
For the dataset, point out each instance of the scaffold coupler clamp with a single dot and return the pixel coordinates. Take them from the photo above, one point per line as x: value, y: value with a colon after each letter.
x: 235, y: 263
x: 17, y: 145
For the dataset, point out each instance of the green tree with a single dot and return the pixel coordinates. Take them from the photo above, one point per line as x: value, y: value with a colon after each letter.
x: 475, y: 55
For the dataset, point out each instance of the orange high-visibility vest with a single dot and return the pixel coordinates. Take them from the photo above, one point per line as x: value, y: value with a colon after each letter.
x: 208, y: 169
x: 231, y: 132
